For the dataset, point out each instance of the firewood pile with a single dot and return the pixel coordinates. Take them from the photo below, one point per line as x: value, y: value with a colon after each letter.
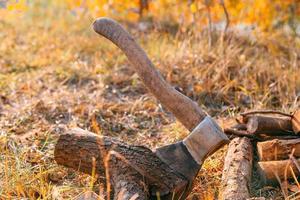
x: 277, y: 138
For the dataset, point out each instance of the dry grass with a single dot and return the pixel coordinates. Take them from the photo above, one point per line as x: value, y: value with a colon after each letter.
x: 55, y: 73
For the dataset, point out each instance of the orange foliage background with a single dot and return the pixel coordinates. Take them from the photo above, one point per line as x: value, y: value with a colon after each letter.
x: 263, y: 14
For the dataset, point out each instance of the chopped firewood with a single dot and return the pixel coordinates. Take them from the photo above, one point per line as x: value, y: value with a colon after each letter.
x: 278, y: 149
x: 296, y: 122
x: 275, y: 172
x: 259, y: 124
x: 237, y: 170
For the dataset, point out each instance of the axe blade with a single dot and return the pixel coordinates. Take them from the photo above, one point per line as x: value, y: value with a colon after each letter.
x: 187, y: 156
x: 177, y: 157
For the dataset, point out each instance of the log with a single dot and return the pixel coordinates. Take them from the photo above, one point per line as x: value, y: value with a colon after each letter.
x: 278, y: 149
x: 236, y: 176
x: 271, y: 171
x: 130, y: 169
x: 260, y: 124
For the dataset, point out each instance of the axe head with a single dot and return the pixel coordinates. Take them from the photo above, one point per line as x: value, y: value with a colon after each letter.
x: 187, y: 156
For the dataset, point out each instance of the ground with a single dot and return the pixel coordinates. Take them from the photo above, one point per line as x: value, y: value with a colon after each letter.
x: 55, y: 74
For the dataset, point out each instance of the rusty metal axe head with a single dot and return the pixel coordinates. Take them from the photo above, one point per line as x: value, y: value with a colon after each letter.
x: 187, y: 156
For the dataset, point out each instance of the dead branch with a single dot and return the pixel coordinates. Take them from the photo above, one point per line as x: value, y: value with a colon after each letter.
x: 227, y: 18
x: 207, y: 5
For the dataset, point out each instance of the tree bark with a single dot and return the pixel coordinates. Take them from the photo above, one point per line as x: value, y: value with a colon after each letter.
x: 268, y: 125
x: 271, y: 171
x: 128, y: 183
x: 237, y: 171
x: 130, y: 169
x: 278, y: 149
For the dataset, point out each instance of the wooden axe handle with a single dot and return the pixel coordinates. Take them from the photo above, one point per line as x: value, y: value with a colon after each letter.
x: 184, y: 109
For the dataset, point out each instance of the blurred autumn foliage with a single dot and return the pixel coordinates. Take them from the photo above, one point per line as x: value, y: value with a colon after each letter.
x: 265, y: 15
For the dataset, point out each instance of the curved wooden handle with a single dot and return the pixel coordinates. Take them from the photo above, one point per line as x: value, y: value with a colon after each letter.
x: 184, y: 109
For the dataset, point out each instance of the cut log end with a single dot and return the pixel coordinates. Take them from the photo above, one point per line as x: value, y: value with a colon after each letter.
x: 276, y: 172
x: 278, y: 149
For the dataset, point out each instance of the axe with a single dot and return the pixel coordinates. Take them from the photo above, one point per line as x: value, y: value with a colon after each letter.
x: 186, y: 156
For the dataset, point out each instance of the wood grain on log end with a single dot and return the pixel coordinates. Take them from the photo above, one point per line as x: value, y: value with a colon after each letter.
x: 278, y: 149
x: 274, y: 172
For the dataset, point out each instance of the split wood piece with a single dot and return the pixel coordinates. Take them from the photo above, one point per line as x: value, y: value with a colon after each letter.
x: 237, y: 172
x: 296, y: 121
x: 131, y: 169
x: 278, y: 149
x: 271, y: 171
x: 259, y: 124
